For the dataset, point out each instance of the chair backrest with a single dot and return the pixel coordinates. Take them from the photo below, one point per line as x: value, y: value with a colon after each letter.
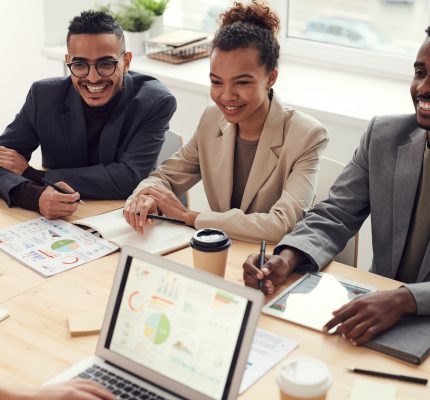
x: 172, y: 143
x: 329, y: 170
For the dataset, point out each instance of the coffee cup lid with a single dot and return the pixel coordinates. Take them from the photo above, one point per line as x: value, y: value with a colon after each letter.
x: 210, y: 240
x: 304, y: 377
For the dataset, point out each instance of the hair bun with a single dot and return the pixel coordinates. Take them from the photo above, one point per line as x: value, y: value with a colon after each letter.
x: 256, y: 13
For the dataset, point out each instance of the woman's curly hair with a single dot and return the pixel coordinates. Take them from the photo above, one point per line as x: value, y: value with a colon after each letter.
x: 252, y: 25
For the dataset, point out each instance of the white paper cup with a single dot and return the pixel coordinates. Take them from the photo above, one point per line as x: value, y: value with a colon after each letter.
x: 303, y: 378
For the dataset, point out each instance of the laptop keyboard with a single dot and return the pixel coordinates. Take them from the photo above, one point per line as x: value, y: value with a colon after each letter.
x: 122, y: 388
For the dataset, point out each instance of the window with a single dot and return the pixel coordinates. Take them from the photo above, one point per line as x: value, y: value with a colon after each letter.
x: 379, y: 36
x: 198, y: 15
x: 387, y: 26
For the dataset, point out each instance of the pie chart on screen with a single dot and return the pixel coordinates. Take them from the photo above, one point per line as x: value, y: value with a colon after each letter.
x: 64, y: 245
x: 157, y: 328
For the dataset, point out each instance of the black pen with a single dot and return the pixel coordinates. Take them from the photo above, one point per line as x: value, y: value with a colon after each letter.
x: 261, y: 261
x: 164, y: 218
x: 404, y: 378
x: 58, y: 188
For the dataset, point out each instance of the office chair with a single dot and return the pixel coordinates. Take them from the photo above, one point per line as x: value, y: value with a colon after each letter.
x: 172, y: 143
x: 329, y: 170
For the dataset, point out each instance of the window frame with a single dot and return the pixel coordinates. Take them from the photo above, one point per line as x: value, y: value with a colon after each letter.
x: 344, y: 58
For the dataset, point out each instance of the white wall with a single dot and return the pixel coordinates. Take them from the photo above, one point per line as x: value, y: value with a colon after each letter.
x: 22, y: 38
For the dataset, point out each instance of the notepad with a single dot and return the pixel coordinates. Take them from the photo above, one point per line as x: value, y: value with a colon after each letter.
x: 158, y: 238
x: 85, y: 323
x: 366, y: 389
x: 408, y: 340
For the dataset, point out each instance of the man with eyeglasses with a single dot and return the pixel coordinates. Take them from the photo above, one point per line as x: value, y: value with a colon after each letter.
x: 100, y: 130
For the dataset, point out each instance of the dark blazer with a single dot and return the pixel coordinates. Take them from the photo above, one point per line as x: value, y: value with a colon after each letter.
x: 53, y: 118
x: 382, y: 179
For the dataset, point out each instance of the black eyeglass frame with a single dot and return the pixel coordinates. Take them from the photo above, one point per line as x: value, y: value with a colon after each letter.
x: 96, y: 64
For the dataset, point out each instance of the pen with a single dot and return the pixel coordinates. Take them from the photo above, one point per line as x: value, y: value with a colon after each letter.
x: 163, y: 218
x: 261, y: 261
x: 58, y: 188
x: 404, y: 378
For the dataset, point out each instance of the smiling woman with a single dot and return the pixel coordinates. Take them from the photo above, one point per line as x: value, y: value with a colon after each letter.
x: 257, y: 158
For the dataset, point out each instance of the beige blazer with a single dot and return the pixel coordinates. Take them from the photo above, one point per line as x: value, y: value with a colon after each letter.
x: 281, y: 183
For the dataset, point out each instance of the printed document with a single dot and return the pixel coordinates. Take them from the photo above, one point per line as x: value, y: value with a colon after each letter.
x: 266, y: 351
x: 52, y: 246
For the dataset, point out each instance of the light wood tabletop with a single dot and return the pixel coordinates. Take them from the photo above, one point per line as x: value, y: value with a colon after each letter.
x: 35, y: 342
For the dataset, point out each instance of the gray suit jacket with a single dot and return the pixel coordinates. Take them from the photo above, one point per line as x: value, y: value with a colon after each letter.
x: 53, y: 118
x: 382, y: 179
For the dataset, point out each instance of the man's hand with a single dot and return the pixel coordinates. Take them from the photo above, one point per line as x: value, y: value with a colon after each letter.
x: 275, y: 270
x: 53, y: 204
x: 12, y: 161
x: 135, y: 213
x: 75, y: 389
x: 365, y: 316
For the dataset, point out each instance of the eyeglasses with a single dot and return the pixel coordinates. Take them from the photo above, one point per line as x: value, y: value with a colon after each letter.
x: 106, y: 67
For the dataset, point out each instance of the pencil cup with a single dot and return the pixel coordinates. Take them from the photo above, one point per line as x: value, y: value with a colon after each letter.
x: 303, y: 378
x: 210, y: 248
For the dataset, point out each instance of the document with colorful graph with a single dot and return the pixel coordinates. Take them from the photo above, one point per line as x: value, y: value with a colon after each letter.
x: 52, y: 246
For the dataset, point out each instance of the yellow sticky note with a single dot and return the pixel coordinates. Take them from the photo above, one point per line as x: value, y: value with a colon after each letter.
x: 85, y: 323
x: 369, y: 390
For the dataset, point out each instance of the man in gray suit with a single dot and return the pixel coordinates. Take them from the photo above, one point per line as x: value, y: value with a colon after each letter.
x: 100, y: 130
x: 388, y: 178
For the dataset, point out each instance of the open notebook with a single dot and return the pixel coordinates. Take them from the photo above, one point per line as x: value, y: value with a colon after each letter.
x: 159, y: 238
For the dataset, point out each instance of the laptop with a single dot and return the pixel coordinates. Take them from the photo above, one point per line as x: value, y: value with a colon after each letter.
x: 173, y: 331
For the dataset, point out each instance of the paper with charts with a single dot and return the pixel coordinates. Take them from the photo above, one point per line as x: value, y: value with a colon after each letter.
x: 52, y: 246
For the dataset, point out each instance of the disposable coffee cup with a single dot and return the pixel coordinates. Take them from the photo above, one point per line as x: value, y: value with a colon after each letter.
x: 210, y: 248
x: 303, y: 378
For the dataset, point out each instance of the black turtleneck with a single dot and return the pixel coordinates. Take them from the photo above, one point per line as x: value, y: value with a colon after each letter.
x: 95, y: 120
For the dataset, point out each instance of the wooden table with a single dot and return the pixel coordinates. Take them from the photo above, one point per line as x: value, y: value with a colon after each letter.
x: 36, y: 345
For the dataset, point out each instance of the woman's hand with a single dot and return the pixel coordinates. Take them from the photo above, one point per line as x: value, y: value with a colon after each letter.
x: 135, y: 213
x: 169, y: 204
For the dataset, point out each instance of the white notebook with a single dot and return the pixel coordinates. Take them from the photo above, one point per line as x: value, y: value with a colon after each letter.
x: 159, y: 238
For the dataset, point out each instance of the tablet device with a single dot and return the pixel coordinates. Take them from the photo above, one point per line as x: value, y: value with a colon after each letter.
x: 311, y: 300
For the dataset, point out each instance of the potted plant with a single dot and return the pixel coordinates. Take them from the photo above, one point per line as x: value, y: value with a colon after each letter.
x: 135, y: 21
x: 157, y: 7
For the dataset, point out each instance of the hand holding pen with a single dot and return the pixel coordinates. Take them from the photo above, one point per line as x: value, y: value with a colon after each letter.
x: 54, y: 204
x: 59, y: 188
x: 261, y: 261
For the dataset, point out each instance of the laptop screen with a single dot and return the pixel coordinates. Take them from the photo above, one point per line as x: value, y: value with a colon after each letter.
x: 179, y: 327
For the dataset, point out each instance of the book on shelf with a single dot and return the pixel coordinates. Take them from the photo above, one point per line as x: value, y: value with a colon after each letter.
x: 408, y: 339
x: 179, y: 38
